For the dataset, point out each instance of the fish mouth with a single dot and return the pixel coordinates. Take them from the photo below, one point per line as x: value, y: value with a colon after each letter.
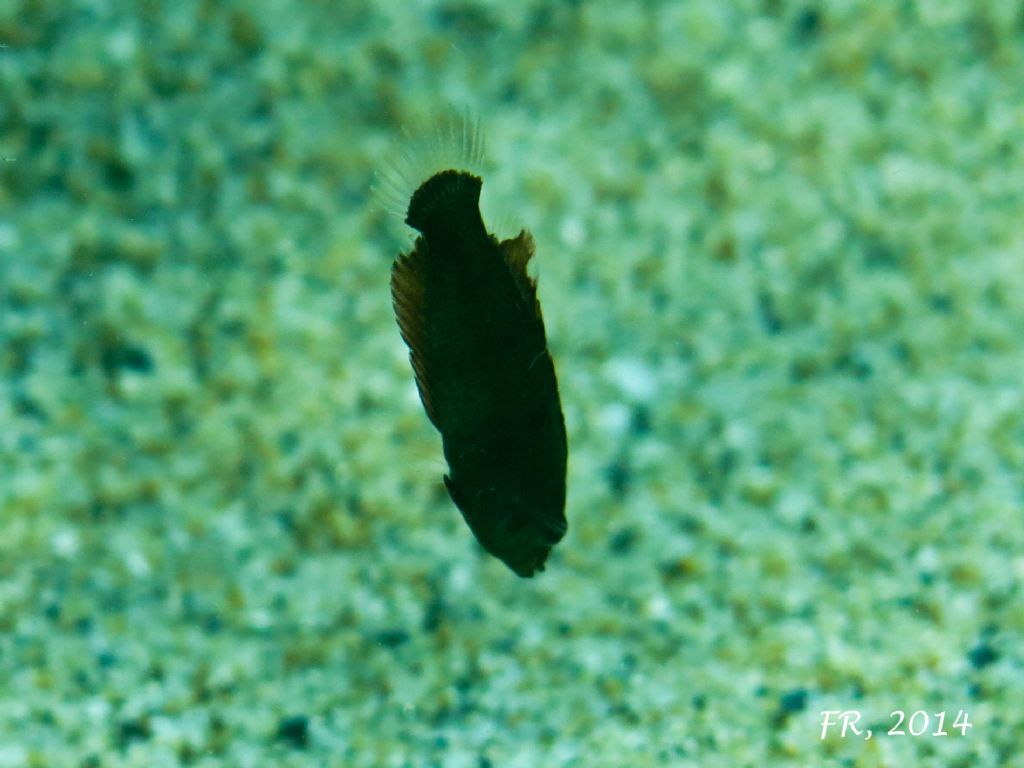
x: 513, y: 531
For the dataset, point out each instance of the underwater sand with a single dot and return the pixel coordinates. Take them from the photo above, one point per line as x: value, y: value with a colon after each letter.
x: 779, y: 249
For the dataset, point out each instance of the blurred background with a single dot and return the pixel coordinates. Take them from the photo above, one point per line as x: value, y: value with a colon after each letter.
x: 779, y: 248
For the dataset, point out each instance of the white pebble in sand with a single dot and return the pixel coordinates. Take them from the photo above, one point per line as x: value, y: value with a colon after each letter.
x: 634, y: 378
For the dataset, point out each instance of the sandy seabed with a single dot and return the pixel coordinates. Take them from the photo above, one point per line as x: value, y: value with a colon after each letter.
x: 780, y: 251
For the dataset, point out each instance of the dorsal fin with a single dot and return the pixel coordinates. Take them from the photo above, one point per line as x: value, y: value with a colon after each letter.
x: 407, y: 292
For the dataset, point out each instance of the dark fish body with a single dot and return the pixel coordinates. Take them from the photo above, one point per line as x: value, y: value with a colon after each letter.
x: 469, y: 314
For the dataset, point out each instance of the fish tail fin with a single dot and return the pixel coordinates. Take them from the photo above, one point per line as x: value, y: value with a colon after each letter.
x: 441, y: 192
x: 451, y: 138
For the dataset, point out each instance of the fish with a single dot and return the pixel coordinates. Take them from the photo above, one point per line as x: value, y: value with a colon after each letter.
x: 469, y: 314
